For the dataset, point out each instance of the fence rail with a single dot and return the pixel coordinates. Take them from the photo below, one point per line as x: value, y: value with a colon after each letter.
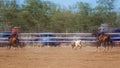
x: 59, y: 37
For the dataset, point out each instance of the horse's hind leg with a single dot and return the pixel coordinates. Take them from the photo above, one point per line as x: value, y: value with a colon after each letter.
x: 96, y: 46
x: 21, y: 46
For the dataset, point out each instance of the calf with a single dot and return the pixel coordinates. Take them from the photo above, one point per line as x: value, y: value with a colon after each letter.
x: 78, y: 43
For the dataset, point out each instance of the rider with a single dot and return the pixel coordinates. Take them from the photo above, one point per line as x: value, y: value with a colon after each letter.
x: 15, y: 32
x: 102, y: 29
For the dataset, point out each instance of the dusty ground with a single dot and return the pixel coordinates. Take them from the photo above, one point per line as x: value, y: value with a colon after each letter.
x: 59, y: 57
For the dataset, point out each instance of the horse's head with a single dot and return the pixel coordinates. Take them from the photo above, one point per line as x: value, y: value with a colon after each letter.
x: 73, y: 45
x: 95, y: 34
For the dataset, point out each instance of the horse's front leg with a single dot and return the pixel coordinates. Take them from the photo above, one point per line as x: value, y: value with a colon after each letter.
x: 9, y: 46
x: 110, y: 45
x: 106, y: 46
x: 80, y: 46
x: 99, y: 46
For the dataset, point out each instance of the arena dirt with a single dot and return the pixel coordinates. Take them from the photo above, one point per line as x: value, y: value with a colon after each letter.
x: 59, y: 57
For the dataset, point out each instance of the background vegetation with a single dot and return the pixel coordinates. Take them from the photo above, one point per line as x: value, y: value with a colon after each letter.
x: 45, y: 16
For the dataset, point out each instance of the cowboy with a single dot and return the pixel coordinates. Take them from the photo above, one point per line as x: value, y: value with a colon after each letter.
x: 15, y: 32
x: 103, y: 29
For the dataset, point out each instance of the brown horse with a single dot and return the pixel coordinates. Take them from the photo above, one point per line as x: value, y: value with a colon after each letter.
x: 103, y: 40
x: 13, y: 42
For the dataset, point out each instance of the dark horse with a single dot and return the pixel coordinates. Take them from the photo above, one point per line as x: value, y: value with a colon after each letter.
x: 103, y: 40
x: 13, y: 42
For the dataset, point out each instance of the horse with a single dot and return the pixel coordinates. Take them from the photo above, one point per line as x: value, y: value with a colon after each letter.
x: 103, y: 39
x: 78, y: 43
x: 14, y: 42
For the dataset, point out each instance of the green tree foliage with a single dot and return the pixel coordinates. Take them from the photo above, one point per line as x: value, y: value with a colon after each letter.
x: 45, y: 16
x: 9, y: 13
x: 105, y: 9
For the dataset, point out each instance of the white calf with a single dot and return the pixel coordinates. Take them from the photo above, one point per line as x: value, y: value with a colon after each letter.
x: 78, y: 43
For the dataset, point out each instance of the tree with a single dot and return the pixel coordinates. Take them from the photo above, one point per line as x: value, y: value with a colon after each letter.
x: 46, y: 16
x: 84, y: 11
x: 9, y: 13
x: 105, y: 9
x: 36, y: 14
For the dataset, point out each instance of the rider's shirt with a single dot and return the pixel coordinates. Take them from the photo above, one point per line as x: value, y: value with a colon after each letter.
x: 103, y: 29
x: 15, y: 31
